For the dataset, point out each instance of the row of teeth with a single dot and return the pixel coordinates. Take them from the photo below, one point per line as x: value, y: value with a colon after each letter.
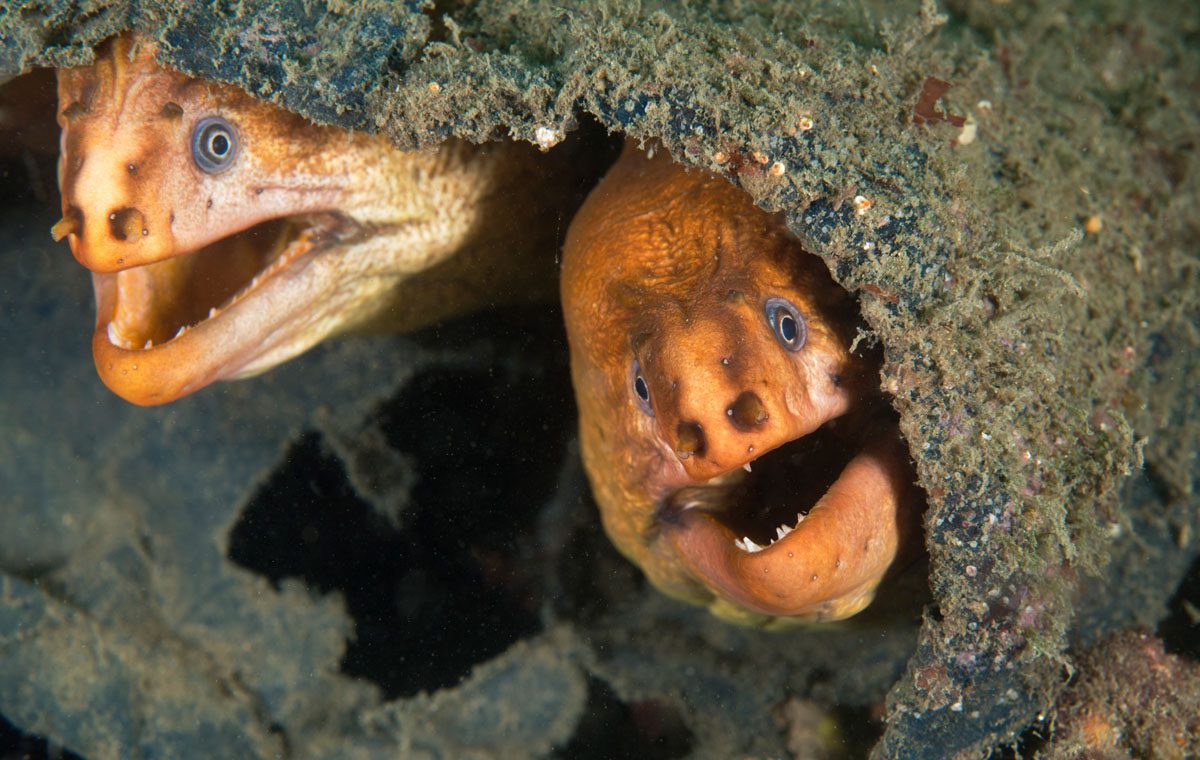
x: 116, y: 338
x: 745, y: 544
x: 119, y: 340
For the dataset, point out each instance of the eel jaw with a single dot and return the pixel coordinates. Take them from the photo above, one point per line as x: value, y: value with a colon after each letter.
x: 824, y: 567
x: 231, y: 309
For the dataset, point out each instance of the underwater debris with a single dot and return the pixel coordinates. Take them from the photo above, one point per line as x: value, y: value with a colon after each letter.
x: 925, y: 111
x: 1128, y: 698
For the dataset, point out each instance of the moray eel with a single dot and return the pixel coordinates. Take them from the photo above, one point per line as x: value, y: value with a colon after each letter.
x: 738, y: 449
x: 227, y: 235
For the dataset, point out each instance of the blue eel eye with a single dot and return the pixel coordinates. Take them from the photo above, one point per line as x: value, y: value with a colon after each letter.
x: 786, y: 322
x: 641, y: 391
x: 214, y: 144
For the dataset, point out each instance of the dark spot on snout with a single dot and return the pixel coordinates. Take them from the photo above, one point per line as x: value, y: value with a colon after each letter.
x: 689, y: 440
x: 747, y: 412
x: 131, y: 168
x: 74, y: 111
x: 171, y: 110
x: 124, y: 222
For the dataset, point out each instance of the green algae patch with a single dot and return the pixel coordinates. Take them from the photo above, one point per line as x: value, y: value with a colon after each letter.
x: 1023, y: 242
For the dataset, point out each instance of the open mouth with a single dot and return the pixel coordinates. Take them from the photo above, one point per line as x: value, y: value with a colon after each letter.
x: 159, y: 302
x: 766, y: 500
x: 167, y: 328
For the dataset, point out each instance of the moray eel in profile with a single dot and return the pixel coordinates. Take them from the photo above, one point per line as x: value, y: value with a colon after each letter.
x: 734, y: 442
x: 227, y: 235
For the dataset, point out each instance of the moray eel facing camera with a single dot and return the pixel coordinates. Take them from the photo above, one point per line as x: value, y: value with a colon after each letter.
x: 227, y: 235
x: 735, y: 444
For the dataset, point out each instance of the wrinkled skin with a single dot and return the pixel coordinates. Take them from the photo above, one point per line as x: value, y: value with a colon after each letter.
x: 683, y: 374
x: 298, y: 233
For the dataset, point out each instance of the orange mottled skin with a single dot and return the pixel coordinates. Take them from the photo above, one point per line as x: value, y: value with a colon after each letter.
x: 673, y: 269
x: 309, y: 231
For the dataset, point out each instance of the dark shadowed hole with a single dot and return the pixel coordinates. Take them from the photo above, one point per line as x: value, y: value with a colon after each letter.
x: 456, y: 585
x: 614, y: 730
x: 1180, y: 629
x: 29, y: 139
x: 862, y: 728
x: 16, y: 745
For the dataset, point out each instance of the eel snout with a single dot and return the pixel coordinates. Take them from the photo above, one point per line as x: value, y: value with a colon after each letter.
x: 725, y: 393
x: 814, y: 529
x: 188, y: 204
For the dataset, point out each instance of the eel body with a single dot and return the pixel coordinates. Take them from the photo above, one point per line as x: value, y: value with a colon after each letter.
x: 732, y: 439
x: 227, y: 235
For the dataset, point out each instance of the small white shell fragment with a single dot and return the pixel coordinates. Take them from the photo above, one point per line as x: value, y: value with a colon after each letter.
x: 969, y: 130
x: 547, y: 137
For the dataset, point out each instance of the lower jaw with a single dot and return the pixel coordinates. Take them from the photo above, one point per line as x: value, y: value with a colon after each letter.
x: 827, y: 568
x: 230, y: 342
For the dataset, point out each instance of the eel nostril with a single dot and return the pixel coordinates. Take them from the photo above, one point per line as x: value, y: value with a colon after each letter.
x: 70, y: 224
x: 689, y: 440
x: 126, y: 222
x: 747, y: 411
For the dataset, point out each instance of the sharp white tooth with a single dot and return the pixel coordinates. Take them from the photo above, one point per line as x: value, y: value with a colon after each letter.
x: 212, y: 312
x: 691, y: 505
x: 782, y: 531
x: 738, y: 543
x: 114, y: 337
x: 746, y: 467
x: 799, y: 519
x: 149, y: 344
x: 750, y: 545
x: 182, y: 330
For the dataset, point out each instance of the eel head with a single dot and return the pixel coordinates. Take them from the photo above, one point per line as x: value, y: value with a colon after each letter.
x: 731, y: 435
x: 216, y: 225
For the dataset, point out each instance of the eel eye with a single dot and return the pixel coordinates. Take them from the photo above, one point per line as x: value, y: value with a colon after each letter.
x: 214, y: 144
x: 641, y: 391
x: 786, y: 323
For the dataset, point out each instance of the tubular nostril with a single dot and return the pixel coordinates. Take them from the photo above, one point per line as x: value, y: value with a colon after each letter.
x: 689, y: 440
x: 70, y: 224
x: 124, y: 223
x: 747, y: 411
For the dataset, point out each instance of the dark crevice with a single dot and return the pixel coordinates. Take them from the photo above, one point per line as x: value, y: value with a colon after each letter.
x: 17, y: 745
x: 456, y: 584
x: 29, y: 139
x: 614, y: 730
x: 1180, y: 629
x: 862, y: 728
